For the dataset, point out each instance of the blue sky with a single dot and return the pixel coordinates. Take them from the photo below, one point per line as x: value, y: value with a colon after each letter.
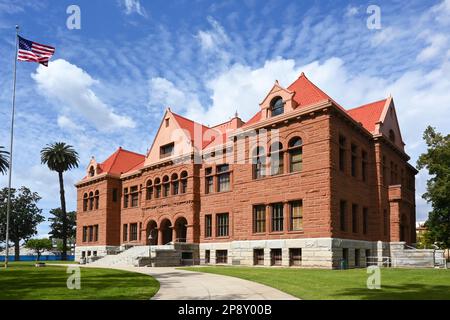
x: 110, y: 81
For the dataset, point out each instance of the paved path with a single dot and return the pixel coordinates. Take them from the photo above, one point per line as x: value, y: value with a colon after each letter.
x: 176, y: 284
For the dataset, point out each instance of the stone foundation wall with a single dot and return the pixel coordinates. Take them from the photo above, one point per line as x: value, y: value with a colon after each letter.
x: 316, y: 253
x: 100, y: 251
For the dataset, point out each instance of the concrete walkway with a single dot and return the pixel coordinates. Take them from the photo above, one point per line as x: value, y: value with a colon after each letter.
x: 176, y: 284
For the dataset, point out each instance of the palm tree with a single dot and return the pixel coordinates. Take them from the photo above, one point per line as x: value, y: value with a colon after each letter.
x: 4, y: 157
x: 60, y: 157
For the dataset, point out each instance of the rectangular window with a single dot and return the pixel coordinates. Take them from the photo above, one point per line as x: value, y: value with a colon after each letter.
x: 184, y: 185
x: 357, y: 257
x: 364, y: 165
x: 175, y: 186
x: 345, y: 256
x: 125, y: 198
x: 91, y: 233
x: 114, y: 195
x: 133, y: 232
x: 354, y: 158
x: 84, y: 234
x: 342, y: 145
x: 295, y: 159
x: 354, y: 218
x: 259, y: 218
x: 166, y: 189
x: 276, y: 257
x: 207, y: 256
x: 134, y: 196
x: 221, y: 256
x: 385, y: 222
x: 223, y: 178
x: 96, y: 232
x: 258, y: 257
x: 295, y: 256
x: 222, y: 225
x: 125, y: 232
x: 209, y: 181
x: 276, y: 163
x: 158, y: 191
x: 277, y: 217
x: 208, y: 226
x: 166, y: 150
x: 365, y: 220
x: 342, y: 214
x: 296, y: 215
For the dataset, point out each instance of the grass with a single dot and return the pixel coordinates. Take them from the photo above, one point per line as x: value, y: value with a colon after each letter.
x: 396, y: 284
x: 23, y: 281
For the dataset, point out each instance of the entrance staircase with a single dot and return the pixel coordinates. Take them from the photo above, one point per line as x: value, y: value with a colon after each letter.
x: 124, y: 258
x: 169, y: 255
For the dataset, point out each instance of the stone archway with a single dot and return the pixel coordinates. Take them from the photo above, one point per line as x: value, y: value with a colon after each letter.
x: 152, y: 233
x: 181, y: 229
x: 165, y: 230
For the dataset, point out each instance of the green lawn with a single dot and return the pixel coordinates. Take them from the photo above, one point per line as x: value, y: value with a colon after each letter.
x: 22, y: 280
x: 396, y: 284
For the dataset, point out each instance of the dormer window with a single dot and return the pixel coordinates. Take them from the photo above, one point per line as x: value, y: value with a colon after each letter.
x: 166, y: 150
x: 91, y: 171
x: 277, y: 106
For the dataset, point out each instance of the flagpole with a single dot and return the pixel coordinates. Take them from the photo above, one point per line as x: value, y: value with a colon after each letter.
x: 8, y: 210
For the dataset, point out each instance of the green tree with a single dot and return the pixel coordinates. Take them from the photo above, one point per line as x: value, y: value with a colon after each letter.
x: 39, y: 246
x: 4, y: 158
x: 60, y: 157
x: 437, y: 161
x: 56, y: 226
x: 25, y: 216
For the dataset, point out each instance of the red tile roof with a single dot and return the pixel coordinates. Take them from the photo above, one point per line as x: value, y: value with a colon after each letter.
x: 306, y: 92
x: 122, y: 161
x: 369, y: 114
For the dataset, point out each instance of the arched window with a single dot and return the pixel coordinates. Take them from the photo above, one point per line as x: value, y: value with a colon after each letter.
x: 175, y: 184
x: 276, y: 159
x: 85, y: 202
x: 184, y: 181
x: 259, y: 162
x: 276, y: 106
x: 149, y: 188
x: 157, y: 188
x: 166, y: 186
x: 96, y: 199
x: 91, y: 171
x: 91, y: 200
x: 392, y: 136
x: 295, y: 154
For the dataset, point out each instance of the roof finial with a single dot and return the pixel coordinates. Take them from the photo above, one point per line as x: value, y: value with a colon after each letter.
x: 236, y: 114
x: 303, y: 74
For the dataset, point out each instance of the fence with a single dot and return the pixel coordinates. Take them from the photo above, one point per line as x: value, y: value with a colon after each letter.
x: 42, y: 258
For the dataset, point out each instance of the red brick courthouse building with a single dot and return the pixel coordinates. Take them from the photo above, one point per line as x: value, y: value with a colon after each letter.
x: 303, y: 182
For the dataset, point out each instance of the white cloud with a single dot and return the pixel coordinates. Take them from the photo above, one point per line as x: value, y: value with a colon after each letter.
x: 213, y: 38
x: 66, y: 123
x: 437, y: 44
x: 70, y: 87
x: 351, y: 11
x: 385, y: 35
x: 441, y: 12
x: 134, y: 6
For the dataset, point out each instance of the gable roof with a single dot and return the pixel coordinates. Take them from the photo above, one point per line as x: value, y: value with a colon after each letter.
x: 369, y: 114
x: 306, y: 92
x: 121, y: 161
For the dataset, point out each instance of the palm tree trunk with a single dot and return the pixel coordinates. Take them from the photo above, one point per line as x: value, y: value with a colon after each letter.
x: 16, y: 250
x: 64, y: 217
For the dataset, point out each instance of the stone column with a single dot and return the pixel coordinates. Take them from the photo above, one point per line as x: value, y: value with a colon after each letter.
x: 268, y: 219
x: 380, y: 253
x: 286, y: 216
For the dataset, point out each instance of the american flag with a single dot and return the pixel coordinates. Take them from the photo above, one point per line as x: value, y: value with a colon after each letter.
x: 34, y: 52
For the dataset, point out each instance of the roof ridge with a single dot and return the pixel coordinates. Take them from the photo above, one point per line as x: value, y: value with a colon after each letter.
x: 367, y: 104
x: 178, y: 115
